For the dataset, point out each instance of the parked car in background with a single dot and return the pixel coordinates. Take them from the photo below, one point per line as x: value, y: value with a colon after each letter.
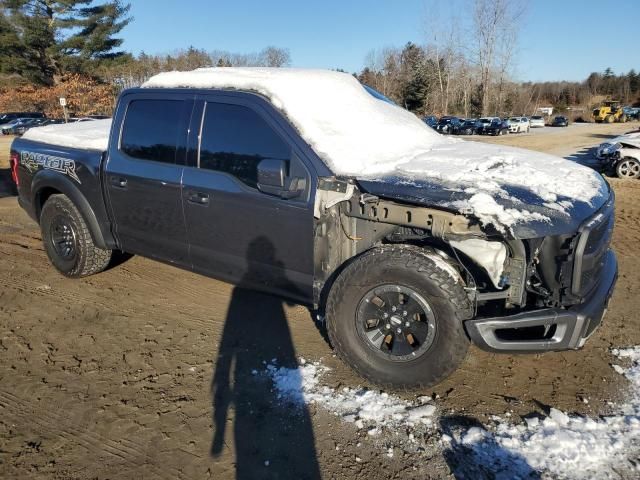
x: 484, y: 122
x: 560, y: 121
x: 518, y: 124
x: 632, y: 113
x: 447, y: 125
x: 39, y: 122
x: 466, y: 127
x: 12, y: 129
x: 9, y: 123
x: 496, y: 127
x: 8, y: 117
x: 431, y: 120
x: 620, y: 156
x: 536, y: 121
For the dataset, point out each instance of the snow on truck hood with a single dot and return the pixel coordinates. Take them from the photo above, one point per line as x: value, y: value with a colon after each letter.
x: 632, y: 139
x: 360, y: 136
x: 90, y: 135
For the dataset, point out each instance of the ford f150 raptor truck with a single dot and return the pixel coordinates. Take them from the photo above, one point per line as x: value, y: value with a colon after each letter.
x: 412, y: 244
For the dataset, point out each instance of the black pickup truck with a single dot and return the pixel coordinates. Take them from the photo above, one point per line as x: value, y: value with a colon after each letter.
x: 227, y: 173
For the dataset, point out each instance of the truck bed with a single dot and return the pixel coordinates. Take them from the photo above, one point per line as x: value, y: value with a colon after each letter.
x: 90, y: 135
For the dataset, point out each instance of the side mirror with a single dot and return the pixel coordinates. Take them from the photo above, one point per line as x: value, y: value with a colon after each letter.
x: 273, y: 179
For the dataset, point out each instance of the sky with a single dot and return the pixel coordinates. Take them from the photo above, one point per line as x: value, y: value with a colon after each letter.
x: 559, y: 39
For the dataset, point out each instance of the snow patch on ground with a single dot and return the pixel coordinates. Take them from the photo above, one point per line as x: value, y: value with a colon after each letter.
x: 559, y: 445
x: 362, y: 407
x: 565, y: 446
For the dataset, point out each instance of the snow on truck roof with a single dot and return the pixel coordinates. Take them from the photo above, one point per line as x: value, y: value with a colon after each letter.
x: 359, y: 135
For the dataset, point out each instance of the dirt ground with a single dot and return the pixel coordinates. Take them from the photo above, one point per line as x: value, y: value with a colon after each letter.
x: 145, y: 371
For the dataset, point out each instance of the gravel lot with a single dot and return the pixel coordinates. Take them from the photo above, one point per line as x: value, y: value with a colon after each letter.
x: 147, y: 371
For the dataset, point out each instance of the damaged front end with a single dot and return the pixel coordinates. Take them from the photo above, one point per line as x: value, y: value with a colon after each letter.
x: 531, y: 293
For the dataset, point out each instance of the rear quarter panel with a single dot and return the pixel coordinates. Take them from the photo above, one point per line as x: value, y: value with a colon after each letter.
x: 45, y: 168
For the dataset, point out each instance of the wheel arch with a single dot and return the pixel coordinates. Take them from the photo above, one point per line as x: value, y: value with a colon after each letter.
x: 426, y: 247
x: 47, y: 183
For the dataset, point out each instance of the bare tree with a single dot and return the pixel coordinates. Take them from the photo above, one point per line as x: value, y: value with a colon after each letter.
x: 268, y: 57
x: 495, y: 29
x: 444, y: 54
x: 275, y: 57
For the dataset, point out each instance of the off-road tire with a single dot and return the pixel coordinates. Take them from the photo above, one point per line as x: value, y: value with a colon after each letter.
x: 406, y: 266
x: 87, y: 258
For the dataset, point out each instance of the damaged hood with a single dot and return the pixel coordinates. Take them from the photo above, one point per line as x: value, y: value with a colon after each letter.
x: 519, y: 192
x: 629, y: 139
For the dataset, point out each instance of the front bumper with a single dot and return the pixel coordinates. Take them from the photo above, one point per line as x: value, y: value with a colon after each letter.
x: 573, y: 326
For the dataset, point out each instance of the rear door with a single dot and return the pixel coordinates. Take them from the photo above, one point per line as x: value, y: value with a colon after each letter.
x: 143, y: 175
x: 237, y: 232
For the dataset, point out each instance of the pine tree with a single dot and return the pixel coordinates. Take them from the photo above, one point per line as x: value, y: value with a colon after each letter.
x: 94, y: 41
x: 58, y: 36
x: 10, y: 61
x: 634, y: 82
x: 416, y: 83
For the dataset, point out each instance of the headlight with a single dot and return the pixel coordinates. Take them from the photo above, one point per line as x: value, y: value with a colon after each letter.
x: 609, y: 148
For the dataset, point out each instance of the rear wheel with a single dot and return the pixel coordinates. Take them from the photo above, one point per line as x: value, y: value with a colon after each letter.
x: 67, y: 239
x: 628, y: 168
x: 610, y: 119
x: 395, y: 316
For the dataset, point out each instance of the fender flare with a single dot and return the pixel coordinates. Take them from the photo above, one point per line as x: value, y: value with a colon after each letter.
x: 46, y: 179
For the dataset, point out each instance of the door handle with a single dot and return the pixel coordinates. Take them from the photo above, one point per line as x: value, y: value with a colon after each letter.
x: 199, y: 198
x: 118, y: 182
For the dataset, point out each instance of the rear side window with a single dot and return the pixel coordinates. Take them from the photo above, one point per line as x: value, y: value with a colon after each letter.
x: 151, y: 129
x: 235, y: 139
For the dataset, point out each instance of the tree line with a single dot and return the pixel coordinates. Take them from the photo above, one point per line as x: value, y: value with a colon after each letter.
x: 466, y: 67
x: 428, y: 83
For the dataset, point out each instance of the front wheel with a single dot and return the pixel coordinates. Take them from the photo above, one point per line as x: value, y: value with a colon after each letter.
x: 628, y: 168
x: 395, y: 316
x: 67, y: 239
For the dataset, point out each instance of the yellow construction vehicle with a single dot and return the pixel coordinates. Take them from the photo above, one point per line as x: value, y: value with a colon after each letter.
x: 609, y: 112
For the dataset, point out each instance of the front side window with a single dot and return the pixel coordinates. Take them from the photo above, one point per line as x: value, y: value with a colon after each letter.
x: 235, y: 139
x: 151, y: 129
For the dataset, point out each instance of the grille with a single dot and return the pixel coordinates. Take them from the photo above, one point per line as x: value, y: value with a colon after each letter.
x: 592, y: 245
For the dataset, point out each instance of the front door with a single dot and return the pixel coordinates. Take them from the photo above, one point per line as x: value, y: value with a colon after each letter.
x: 144, y: 174
x: 236, y: 232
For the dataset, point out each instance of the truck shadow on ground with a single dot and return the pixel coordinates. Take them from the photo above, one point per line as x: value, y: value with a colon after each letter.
x: 603, y: 135
x: 269, y: 439
x: 7, y: 187
x: 487, y: 461
x: 586, y: 156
